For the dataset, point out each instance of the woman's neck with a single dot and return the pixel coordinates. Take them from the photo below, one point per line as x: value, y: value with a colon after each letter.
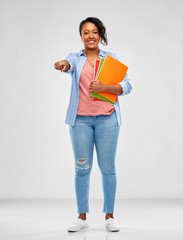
x: 92, y: 52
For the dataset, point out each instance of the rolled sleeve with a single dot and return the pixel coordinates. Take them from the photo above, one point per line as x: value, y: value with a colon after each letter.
x: 126, y: 86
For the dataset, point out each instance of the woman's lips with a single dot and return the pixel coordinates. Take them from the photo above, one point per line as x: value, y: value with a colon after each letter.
x: 91, y: 42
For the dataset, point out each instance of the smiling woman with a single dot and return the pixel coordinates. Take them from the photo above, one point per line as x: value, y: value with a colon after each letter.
x: 92, y: 122
x: 99, y: 28
x: 91, y: 38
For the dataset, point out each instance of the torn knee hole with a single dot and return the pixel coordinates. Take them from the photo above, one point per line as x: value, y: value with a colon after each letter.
x: 82, y: 160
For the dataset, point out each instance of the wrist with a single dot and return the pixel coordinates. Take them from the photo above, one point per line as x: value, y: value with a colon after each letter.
x: 67, y: 65
x: 104, y: 88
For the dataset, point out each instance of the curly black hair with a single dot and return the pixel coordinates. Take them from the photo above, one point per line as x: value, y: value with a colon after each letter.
x: 99, y: 25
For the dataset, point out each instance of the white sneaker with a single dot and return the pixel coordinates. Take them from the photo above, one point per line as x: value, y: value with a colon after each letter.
x: 78, y: 225
x: 112, y: 225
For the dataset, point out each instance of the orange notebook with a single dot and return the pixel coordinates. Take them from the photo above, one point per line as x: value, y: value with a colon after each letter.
x: 112, y: 72
x: 97, y: 67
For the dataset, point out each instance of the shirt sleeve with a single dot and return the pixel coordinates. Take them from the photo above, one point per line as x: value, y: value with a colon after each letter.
x: 71, y: 60
x: 125, y: 84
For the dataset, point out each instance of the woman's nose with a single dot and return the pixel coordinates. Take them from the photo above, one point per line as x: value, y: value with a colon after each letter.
x: 90, y: 34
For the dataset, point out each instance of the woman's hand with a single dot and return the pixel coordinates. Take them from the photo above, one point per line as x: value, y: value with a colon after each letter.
x: 62, y: 65
x: 96, y: 86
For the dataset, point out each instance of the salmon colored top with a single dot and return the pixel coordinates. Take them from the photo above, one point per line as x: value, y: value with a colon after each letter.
x: 87, y: 106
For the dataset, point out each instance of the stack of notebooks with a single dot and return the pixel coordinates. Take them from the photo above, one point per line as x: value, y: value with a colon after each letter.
x: 108, y: 71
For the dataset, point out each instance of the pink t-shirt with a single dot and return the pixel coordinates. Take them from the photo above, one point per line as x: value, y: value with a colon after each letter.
x: 87, y: 106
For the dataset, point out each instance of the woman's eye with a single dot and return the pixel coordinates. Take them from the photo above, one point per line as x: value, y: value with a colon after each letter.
x: 95, y: 32
x: 86, y: 33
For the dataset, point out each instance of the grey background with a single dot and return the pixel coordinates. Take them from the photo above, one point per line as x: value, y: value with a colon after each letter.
x: 36, y: 159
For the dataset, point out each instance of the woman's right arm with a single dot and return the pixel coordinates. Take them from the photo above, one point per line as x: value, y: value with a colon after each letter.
x: 62, y: 65
x: 68, y: 64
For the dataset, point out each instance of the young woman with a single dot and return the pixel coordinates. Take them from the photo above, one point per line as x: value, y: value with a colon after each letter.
x: 92, y: 122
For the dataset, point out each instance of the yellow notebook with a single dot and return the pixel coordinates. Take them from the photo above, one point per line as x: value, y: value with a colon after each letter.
x: 111, y: 73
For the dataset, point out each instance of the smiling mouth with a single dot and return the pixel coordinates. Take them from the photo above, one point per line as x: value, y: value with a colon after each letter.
x: 91, y: 42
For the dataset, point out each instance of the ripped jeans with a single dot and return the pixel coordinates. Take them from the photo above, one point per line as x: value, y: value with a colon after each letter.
x: 103, y: 131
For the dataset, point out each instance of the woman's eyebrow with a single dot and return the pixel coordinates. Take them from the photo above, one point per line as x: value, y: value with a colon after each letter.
x: 92, y: 30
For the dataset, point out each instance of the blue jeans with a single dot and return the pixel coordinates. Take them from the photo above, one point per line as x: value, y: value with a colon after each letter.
x: 103, y: 131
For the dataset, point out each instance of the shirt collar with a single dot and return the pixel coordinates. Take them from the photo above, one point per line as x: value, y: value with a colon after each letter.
x: 101, y: 53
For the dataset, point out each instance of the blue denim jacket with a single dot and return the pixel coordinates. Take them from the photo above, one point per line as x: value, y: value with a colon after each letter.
x: 77, y: 61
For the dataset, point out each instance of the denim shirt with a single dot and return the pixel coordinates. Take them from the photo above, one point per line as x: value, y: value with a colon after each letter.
x: 77, y: 61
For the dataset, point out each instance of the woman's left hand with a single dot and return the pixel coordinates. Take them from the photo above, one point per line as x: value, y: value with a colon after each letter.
x: 96, y: 86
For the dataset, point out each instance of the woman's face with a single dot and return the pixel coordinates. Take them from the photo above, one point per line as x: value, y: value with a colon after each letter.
x: 90, y: 36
